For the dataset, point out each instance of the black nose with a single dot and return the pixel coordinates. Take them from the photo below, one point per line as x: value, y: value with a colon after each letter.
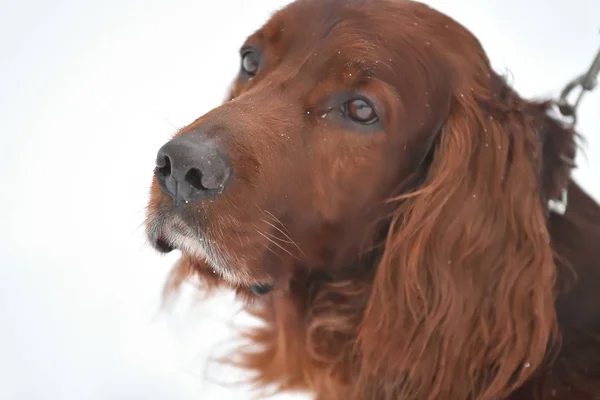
x: 190, y: 168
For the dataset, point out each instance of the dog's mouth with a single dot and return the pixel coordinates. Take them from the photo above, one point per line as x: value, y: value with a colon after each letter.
x: 162, y: 245
x: 169, y: 237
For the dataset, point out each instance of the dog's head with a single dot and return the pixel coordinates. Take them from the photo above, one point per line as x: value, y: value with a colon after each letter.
x: 355, y: 125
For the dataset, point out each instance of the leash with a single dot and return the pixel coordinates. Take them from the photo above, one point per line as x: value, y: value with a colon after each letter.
x: 583, y: 83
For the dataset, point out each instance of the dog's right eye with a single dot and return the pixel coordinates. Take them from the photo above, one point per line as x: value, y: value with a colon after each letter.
x: 250, y: 62
x: 361, y: 111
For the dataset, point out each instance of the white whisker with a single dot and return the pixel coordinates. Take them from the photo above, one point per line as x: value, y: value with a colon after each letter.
x: 290, y: 240
x: 277, y: 244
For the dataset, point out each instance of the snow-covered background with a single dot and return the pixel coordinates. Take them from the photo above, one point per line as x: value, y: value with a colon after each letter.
x: 89, y: 89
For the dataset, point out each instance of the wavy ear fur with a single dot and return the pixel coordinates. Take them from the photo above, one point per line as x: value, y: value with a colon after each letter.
x: 462, y: 300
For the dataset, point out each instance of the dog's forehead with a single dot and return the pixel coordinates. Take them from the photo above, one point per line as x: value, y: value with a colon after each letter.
x: 311, y: 35
x: 316, y: 21
x: 343, y: 43
x: 351, y: 30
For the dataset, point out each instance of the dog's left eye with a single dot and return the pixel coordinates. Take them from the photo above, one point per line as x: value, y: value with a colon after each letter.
x: 361, y: 111
x: 250, y: 62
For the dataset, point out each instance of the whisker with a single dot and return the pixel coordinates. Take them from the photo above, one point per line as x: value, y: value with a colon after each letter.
x: 268, y: 247
x: 275, y: 218
x: 277, y: 237
x: 284, y: 232
x: 290, y: 241
x: 277, y: 244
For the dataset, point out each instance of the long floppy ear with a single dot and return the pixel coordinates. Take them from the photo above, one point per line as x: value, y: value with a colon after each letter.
x: 462, y: 300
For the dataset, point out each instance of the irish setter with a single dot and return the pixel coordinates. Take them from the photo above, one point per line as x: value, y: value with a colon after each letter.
x: 378, y: 195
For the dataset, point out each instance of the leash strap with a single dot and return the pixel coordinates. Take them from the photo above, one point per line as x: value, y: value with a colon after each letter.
x: 583, y: 83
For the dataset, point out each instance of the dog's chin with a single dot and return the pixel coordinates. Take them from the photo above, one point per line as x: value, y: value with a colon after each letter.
x: 167, y: 241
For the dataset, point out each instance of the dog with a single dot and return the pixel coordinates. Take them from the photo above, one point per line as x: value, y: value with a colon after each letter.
x: 381, y: 199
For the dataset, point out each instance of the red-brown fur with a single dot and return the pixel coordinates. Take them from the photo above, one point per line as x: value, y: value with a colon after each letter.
x: 416, y: 260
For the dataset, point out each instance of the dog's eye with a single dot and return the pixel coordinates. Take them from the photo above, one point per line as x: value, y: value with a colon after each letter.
x: 250, y: 62
x: 361, y: 111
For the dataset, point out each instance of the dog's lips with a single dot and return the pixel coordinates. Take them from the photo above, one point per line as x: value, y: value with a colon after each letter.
x: 162, y: 233
x: 162, y: 245
x: 257, y: 289
x: 168, y: 234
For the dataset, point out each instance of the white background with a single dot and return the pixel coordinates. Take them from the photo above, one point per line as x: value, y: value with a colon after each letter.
x: 88, y: 92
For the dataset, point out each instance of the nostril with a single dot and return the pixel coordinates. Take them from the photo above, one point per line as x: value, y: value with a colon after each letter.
x: 163, y: 167
x: 194, y: 178
x: 190, y: 168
